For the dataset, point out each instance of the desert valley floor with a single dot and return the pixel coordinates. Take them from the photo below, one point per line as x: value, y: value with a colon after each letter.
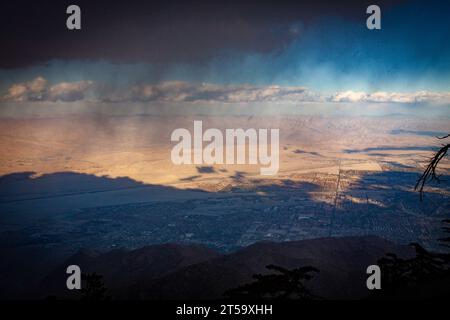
x: 108, y: 182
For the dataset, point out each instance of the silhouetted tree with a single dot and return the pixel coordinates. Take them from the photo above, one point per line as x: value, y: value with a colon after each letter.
x: 93, y: 288
x: 427, y: 274
x: 430, y: 172
x: 286, y: 284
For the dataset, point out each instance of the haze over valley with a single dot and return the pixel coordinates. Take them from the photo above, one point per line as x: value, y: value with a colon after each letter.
x: 108, y: 182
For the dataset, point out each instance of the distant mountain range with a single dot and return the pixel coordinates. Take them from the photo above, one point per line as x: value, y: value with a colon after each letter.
x: 175, y: 271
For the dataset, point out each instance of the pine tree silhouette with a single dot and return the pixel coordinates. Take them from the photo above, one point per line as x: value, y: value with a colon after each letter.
x: 427, y: 270
x: 286, y: 284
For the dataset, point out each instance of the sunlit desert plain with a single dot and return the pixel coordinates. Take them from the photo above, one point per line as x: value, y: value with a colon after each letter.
x: 62, y: 177
x: 139, y: 147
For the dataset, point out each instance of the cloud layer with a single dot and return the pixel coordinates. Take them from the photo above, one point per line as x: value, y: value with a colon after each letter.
x: 391, y: 97
x: 179, y: 91
x: 39, y: 89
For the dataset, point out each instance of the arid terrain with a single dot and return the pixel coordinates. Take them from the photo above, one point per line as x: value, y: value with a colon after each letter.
x: 107, y: 183
x: 54, y: 165
x: 139, y: 147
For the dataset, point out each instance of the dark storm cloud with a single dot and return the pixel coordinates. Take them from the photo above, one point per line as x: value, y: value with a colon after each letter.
x: 157, y: 32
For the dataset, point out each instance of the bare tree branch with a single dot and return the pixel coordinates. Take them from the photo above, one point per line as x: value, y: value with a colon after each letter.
x: 444, y: 137
x: 430, y: 172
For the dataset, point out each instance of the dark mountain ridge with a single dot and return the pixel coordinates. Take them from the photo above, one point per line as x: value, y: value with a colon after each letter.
x: 175, y: 271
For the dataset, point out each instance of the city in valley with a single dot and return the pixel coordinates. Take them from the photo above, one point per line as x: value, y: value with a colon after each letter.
x: 108, y: 182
